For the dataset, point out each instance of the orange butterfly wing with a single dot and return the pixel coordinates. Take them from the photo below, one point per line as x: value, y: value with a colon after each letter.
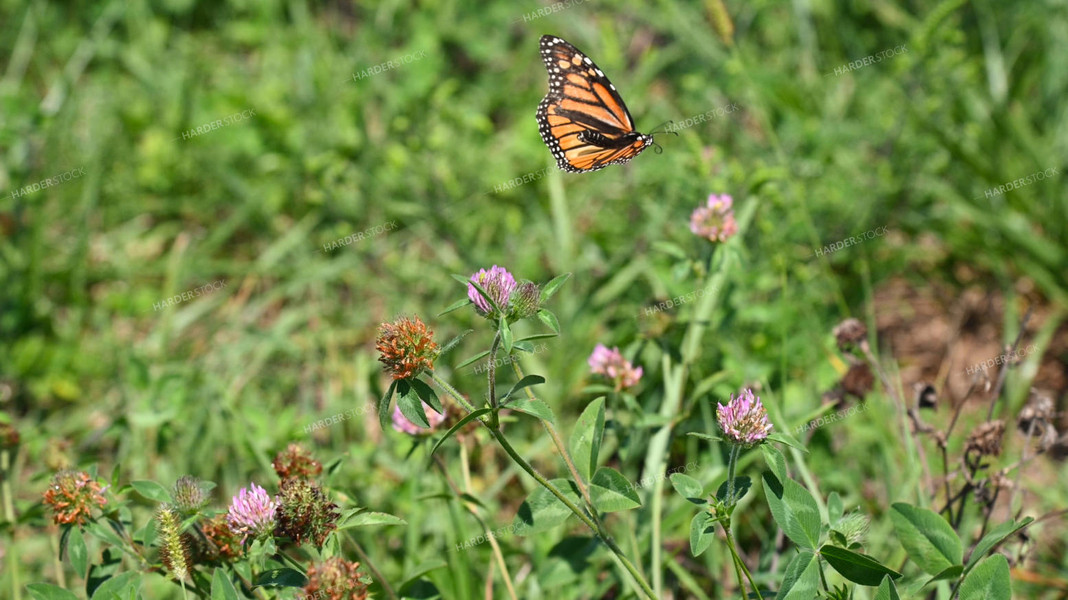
x: 582, y: 119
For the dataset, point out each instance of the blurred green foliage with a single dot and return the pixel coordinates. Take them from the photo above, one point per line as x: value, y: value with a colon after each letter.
x: 214, y: 386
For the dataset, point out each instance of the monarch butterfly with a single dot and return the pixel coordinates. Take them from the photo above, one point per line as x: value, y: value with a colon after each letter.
x: 582, y: 119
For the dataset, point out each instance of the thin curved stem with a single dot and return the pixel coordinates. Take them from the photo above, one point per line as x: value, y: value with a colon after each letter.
x: 608, y: 541
x: 451, y: 391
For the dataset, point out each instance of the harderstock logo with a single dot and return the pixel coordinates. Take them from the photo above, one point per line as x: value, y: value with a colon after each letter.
x: 389, y: 65
x: 217, y: 124
x: 868, y: 60
x: 48, y: 182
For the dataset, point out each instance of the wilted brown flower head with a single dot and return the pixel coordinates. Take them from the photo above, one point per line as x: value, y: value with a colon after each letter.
x: 72, y: 496
x: 296, y: 462
x: 336, y: 579
x: 850, y: 333
x: 304, y: 513
x: 225, y: 542
x: 985, y: 440
x: 1038, y: 410
x: 406, y: 347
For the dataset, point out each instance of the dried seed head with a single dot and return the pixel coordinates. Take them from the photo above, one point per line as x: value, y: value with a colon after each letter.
x: 297, y: 462
x: 849, y: 333
x: 336, y: 579
x: 1038, y: 410
x: 985, y: 440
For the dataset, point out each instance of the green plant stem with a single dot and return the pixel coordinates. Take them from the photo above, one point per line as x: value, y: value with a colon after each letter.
x: 366, y: 560
x: 451, y: 391
x: 739, y: 564
x: 734, y: 557
x: 608, y: 541
x: 733, y: 461
x: 560, y: 447
x: 6, y: 462
x: 491, y: 371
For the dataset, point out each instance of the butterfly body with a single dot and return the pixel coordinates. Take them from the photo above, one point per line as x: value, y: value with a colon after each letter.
x: 582, y: 119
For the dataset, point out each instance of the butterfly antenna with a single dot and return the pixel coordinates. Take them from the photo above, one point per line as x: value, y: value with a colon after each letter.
x: 667, y: 129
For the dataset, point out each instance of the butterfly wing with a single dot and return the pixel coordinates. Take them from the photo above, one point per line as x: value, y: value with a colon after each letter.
x: 582, y: 119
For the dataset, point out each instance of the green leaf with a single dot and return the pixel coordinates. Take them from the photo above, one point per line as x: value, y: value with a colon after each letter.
x: 702, y: 532
x: 77, y: 552
x: 742, y: 484
x: 794, y: 509
x: 611, y: 491
x: 384, y: 416
x: 704, y: 436
x: 857, y: 568
x: 456, y: 306
x: 789, y: 440
x: 775, y: 461
x: 951, y: 573
x: 47, y: 591
x: 553, y: 285
x: 528, y: 381
x: 473, y: 359
x: 281, y: 577
x: 427, y: 395
x: 542, y: 511
x: 105, y: 530
x: 549, y: 319
x: 363, y: 519
x: 118, y: 585
x: 929, y: 540
x: 464, y: 421
x: 801, y: 579
x: 835, y: 508
x: 688, y: 488
x: 534, y: 408
x: 586, y: 438
x: 993, y: 538
x: 151, y: 490
x: 887, y: 590
x: 538, y: 336
x: 221, y: 586
x: 411, y: 406
x: 989, y: 580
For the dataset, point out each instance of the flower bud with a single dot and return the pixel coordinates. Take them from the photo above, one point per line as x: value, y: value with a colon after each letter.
x: 525, y: 300
x: 189, y: 495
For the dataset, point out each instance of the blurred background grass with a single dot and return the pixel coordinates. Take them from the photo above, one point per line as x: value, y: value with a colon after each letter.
x: 93, y: 374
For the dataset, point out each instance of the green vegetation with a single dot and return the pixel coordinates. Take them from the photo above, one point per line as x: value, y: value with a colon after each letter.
x: 305, y: 140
